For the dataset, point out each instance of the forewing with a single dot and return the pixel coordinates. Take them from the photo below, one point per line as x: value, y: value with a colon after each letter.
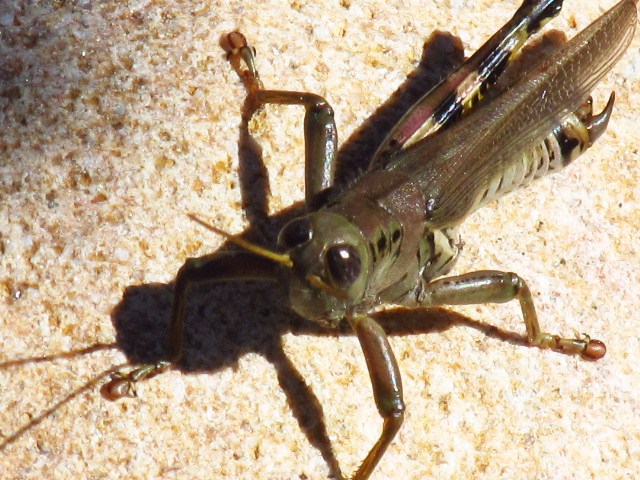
x: 465, y: 158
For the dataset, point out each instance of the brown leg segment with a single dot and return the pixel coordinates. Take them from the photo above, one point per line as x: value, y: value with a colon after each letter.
x: 214, y: 268
x: 387, y: 388
x: 320, y: 132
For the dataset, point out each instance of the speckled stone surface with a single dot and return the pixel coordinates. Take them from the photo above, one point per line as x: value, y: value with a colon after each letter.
x: 118, y: 118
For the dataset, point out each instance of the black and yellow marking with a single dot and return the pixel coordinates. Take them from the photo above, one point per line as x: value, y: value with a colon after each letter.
x: 438, y: 251
x: 466, y: 86
x: 573, y: 135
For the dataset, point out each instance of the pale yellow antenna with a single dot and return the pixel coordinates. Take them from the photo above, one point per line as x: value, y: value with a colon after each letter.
x: 282, y: 258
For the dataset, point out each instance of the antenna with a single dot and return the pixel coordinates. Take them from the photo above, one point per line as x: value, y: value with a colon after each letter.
x: 282, y: 258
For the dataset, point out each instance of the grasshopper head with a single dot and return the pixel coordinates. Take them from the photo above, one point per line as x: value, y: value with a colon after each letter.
x: 331, y: 265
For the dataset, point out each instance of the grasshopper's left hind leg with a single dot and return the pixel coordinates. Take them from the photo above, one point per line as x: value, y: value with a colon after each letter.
x: 490, y: 286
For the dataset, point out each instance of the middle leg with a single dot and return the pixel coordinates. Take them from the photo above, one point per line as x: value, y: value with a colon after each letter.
x: 491, y: 286
x: 320, y: 133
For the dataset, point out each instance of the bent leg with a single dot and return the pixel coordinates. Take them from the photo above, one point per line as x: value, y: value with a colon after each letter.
x: 214, y: 268
x: 320, y: 132
x: 387, y: 388
x: 464, y: 88
x: 490, y: 286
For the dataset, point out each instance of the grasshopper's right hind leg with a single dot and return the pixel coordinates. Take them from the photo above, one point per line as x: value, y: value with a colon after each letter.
x: 214, y: 268
x: 464, y: 88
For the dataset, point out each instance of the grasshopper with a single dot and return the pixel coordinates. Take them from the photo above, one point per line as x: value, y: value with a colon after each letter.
x: 388, y: 236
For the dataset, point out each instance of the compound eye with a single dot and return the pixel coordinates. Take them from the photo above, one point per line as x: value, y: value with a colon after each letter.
x: 344, y: 264
x: 295, y: 233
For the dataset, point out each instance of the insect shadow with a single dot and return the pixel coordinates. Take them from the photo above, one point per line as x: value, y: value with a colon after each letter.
x: 226, y: 321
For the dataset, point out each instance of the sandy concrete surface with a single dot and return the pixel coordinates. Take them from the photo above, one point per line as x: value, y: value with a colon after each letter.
x: 118, y: 118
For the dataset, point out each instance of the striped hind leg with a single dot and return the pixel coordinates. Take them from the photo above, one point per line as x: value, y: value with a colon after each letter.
x: 461, y: 90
